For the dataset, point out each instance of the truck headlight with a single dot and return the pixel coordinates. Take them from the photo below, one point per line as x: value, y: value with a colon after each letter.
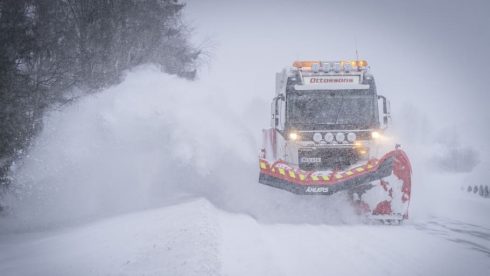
x: 375, y: 135
x: 293, y: 136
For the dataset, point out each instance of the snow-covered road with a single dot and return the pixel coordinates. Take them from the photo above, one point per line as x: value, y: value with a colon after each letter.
x: 195, y: 238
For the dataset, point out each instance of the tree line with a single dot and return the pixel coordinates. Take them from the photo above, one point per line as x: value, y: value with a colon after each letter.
x: 48, y: 47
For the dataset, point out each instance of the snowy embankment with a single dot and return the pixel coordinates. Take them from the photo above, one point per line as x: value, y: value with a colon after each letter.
x: 174, y: 240
x: 158, y: 176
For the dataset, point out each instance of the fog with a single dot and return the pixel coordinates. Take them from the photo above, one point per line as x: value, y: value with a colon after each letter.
x: 156, y: 139
x: 428, y: 58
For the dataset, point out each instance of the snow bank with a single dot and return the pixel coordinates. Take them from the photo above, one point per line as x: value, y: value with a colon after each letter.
x: 174, y: 240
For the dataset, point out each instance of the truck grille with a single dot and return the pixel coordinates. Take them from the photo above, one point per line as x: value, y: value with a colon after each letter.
x: 326, y: 158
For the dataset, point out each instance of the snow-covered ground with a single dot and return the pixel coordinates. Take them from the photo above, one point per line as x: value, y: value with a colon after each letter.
x: 147, y: 178
x: 158, y: 176
x: 193, y: 237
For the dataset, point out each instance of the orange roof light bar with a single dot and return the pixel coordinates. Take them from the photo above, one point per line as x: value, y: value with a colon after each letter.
x: 304, y: 63
x: 309, y: 63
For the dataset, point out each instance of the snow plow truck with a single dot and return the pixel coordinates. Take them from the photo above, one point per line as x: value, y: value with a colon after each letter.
x: 328, y: 135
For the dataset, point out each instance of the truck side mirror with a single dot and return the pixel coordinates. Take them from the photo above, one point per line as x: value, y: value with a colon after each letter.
x: 386, y: 112
x: 276, y: 109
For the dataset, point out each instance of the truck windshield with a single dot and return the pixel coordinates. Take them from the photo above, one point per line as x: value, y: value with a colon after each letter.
x: 339, y: 107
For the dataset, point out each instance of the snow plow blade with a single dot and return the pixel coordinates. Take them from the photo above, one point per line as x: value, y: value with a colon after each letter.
x: 283, y: 176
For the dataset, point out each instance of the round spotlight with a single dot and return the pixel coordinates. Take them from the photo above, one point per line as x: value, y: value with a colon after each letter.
x: 317, y: 137
x: 329, y: 137
x: 351, y: 137
x: 340, y: 137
